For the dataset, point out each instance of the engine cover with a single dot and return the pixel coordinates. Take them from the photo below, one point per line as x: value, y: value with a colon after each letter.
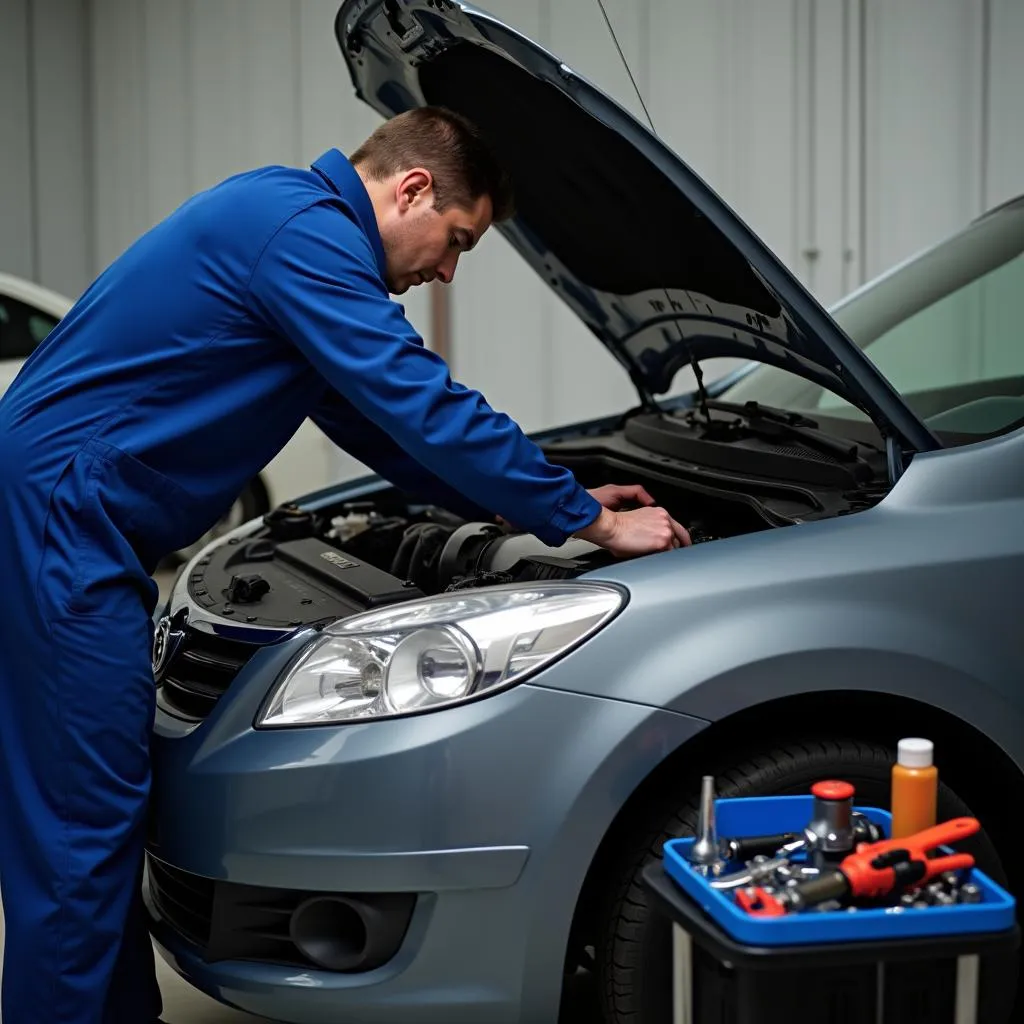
x: 291, y: 583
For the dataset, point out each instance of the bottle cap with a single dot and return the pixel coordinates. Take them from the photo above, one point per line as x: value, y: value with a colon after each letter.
x: 915, y: 753
x: 832, y: 789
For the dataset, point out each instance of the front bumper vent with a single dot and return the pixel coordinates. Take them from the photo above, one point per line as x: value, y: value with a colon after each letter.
x: 342, y: 932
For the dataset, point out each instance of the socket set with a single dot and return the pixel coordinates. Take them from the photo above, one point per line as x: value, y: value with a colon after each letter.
x: 840, y: 861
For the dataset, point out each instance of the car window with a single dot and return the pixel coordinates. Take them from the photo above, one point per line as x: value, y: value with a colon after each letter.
x: 22, y: 328
x: 943, y: 329
x: 971, y: 336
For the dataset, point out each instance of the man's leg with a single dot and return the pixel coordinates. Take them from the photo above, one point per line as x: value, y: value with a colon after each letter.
x: 76, y: 700
x: 133, y: 984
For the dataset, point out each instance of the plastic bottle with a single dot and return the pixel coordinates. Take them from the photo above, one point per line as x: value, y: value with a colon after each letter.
x: 915, y: 787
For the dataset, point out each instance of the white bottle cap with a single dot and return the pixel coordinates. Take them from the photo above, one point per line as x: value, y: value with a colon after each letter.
x: 915, y: 753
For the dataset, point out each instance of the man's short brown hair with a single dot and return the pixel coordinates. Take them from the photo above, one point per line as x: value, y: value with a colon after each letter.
x: 451, y: 147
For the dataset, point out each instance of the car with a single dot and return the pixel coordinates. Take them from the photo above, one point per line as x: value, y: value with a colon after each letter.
x: 28, y: 312
x: 409, y: 767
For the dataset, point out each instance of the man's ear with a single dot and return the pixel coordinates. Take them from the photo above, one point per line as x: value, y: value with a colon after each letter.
x: 414, y: 187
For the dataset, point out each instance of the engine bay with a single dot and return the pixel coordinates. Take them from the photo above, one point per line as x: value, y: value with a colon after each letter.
x: 305, y: 567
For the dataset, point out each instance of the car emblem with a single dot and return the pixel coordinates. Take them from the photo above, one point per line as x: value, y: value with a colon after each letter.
x: 166, y: 637
x: 161, y: 644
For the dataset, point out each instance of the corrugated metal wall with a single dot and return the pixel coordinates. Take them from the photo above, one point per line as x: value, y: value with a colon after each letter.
x: 849, y: 133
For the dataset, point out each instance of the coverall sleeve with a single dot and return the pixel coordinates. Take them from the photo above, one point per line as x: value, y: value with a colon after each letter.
x: 349, y: 429
x: 316, y: 282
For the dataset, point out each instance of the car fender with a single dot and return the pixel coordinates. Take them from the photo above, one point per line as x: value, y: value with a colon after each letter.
x: 713, y: 658
x: 841, y: 670
x: 587, y: 795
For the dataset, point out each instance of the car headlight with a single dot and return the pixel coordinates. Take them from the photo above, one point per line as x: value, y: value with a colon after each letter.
x: 436, y: 652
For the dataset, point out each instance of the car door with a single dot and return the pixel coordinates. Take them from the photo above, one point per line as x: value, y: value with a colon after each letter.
x: 22, y: 328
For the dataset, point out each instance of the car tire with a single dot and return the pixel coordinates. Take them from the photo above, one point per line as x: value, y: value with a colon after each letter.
x: 252, y: 502
x: 633, y: 948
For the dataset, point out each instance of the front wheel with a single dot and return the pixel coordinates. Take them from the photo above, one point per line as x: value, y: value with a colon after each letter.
x: 634, y: 945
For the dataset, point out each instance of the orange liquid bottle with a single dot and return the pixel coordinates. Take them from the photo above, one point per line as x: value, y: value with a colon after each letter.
x: 915, y: 787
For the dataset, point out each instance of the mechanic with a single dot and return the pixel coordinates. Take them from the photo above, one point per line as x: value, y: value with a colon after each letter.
x: 177, y: 376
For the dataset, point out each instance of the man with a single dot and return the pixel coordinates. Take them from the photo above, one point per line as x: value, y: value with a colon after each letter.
x: 183, y: 369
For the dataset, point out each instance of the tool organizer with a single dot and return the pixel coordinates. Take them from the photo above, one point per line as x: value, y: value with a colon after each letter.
x: 877, y: 965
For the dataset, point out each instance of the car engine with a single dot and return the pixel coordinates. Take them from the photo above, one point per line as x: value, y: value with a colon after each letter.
x: 303, y: 567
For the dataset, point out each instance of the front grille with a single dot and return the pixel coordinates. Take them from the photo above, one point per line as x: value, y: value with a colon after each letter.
x: 199, y: 672
x: 230, y: 921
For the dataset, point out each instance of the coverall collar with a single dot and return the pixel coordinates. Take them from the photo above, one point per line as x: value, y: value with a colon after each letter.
x: 335, y: 168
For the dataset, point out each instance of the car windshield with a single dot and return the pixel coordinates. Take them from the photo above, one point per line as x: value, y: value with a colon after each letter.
x: 944, y: 328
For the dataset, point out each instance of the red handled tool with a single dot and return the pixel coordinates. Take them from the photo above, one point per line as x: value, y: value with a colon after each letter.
x: 874, y: 871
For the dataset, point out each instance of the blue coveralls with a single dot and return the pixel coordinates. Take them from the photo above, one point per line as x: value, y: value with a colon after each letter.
x: 179, y: 374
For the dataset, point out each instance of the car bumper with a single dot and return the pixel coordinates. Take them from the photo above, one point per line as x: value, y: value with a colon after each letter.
x: 489, y: 813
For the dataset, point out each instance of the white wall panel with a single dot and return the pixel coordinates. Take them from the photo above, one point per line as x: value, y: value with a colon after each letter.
x: 168, y: 136
x: 501, y: 311
x: 187, y: 94
x: 923, y: 124
x: 61, y: 141
x: 848, y: 133
x: 17, y: 184
x: 851, y: 169
x: 120, y: 89
x: 327, y: 113
x: 723, y: 81
x: 824, y: 159
x: 244, y: 56
x: 45, y: 187
x: 584, y: 380
x: 722, y: 95
x: 1004, y: 129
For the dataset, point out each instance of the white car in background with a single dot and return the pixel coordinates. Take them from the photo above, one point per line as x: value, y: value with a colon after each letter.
x: 28, y: 312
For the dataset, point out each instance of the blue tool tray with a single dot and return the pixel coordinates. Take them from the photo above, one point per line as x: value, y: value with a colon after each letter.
x: 756, y: 816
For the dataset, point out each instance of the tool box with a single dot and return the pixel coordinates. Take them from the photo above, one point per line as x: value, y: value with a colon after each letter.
x: 872, y: 965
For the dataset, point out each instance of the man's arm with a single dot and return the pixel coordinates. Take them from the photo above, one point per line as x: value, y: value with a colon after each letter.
x: 317, y: 284
x: 350, y: 430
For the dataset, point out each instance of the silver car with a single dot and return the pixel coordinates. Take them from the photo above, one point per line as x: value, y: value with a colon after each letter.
x: 408, y: 768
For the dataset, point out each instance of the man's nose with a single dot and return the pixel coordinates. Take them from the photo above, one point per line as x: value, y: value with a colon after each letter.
x: 446, y: 269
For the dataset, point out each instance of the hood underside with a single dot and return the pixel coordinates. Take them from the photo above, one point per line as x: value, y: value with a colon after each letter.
x: 656, y: 264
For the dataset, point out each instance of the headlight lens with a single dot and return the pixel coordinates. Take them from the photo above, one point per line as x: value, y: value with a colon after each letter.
x: 436, y: 652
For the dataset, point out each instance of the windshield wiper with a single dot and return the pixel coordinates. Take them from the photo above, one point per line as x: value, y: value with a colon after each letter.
x: 775, y: 423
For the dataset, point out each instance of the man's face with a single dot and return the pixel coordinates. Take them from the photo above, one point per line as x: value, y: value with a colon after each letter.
x: 420, y: 244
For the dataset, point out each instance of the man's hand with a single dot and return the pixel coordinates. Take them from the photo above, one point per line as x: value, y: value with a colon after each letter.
x: 614, y: 496
x: 640, y: 532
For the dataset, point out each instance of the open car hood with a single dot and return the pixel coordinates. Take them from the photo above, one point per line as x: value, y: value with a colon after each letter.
x: 651, y: 259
